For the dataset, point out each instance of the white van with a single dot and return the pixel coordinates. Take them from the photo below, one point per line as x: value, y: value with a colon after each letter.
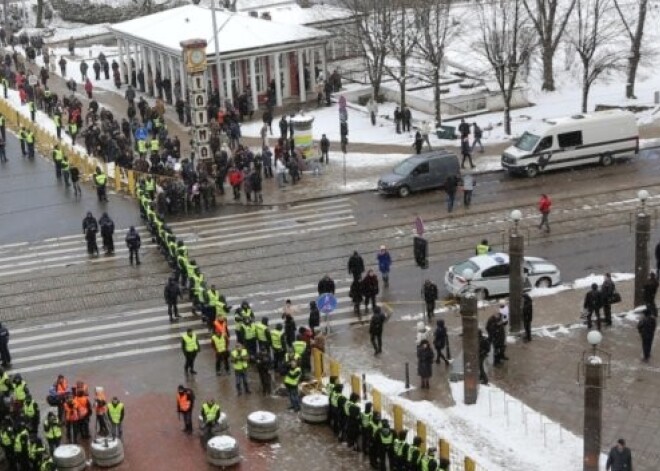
x: 599, y: 137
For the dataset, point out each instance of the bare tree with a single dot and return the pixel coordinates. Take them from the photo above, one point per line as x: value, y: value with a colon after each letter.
x: 40, y: 14
x: 592, y: 37
x: 635, y: 31
x: 403, y: 40
x: 506, y: 41
x: 372, y: 35
x: 436, y: 30
x: 549, y: 18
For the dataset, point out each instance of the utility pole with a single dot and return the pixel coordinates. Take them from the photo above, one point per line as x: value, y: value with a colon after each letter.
x: 642, y: 234
x: 470, y: 321
x: 516, y: 276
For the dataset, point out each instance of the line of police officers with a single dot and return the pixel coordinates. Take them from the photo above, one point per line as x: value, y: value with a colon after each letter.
x: 365, y: 430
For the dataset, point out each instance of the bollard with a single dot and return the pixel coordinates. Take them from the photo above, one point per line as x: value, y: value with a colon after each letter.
x: 117, y: 179
x: 421, y: 433
x: 131, y: 190
x: 335, y: 369
x: 355, y: 384
x: 376, y: 400
x: 443, y: 446
x: 407, y: 376
x: 317, y: 356
x: 470, y: 465
x: 397, y: 412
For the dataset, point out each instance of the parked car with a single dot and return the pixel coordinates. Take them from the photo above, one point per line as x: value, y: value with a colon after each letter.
x: 419, y: 172
x: 491, y: 274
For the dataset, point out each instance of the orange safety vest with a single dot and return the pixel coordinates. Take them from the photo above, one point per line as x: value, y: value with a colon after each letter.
x: 62, y: 387
x: 220, y: 326
x: 101, y: 404
x: 183, y: 401
x: 82, y: 404
x: 70, y: 412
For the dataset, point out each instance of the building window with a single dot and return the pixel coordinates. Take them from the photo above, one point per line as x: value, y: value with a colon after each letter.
x: 235, y: 78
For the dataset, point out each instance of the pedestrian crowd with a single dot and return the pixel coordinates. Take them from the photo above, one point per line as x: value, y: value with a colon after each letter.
x: 29, y: 436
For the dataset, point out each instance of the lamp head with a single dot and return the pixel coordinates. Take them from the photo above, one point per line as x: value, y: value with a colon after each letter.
x: 642, y: 195
x: 516, y: 215
x: 594, y: 338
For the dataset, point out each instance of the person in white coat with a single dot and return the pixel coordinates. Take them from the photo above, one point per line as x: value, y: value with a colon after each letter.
x: 280, y: 170
x: 372, y: 108
x: 424, y: 332
x: 425, y: 130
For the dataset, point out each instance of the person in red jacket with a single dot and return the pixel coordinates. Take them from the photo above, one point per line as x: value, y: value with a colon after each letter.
x: 235, y: 179
x: 544, y: 209
x: 88, y: 88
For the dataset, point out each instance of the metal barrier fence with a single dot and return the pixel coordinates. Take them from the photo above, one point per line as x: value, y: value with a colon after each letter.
x: 324, y: 366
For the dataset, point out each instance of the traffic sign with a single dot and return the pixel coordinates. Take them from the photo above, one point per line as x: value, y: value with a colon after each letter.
x: 141, y: 133
x: 419, y: 226
x: 326, y: 303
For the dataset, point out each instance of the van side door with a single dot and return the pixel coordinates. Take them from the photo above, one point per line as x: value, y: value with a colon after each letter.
x: 544, y: 151
x: 421, y: 176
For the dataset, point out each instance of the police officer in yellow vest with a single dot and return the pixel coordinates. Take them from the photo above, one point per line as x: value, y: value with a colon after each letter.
x: 278, y: 345
x: 22, y: 134
x: 52, y: 431
x: 154, y: 145
x: 31, y: 414
x: 210, y: 416
x: 73, y: 131
x: 221, y: 346
x: 36, y: 452
x: 66, y: 170
x: 7, y: 436
x: 250, y: 336
x: 29, y: 140
x: 101, y: 180
x: 428, y: 462
x: 483, y: 248
x: 22, y: 448
x: 291, y: 381
x: 190, y: 348
x: 33, y: 110
x: 240, y: 361
x: 116, y: 418
x: 150, y: 187
x: 142, y: 147
x: 57, y: 158
x: 400, y: 449
x: 263, y: 336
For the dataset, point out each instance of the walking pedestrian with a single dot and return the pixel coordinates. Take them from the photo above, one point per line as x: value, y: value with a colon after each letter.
x: 425, y: 130
x: 397, y: 119
x: 418, y: 143
x: 90, y: 228
x: 356, y: 266
x: 75, y: 180
x: 100, y: 181
x: 464, y: 129
x: 441, y: 342
x: 355, y: 293
x: 172, y: 294
x: 469, y: 182
x: 185, y: 401
x: 477, y: 138
x: 133, y: 243
x: 5, y: 356
x: 107, y: 231
x: 372, y: 108
x: 406, y: 119
x: 314, y: 316
x: 325, y: 148
x: 190, y: 348
x: 384, y: 264
x: 650, y: 289
x: 326, y: 285
x: 88, y: 88
x: 451, y: 185
x: 466, y: 152
x: 544, y: 208
x: 607, y: 291
x: 619, y: 458
x: 646, y: 328
x: 376, y: 330
x: 370, y: 290
x: 592, y: 304
x: 430, y: 295
x: 424, y: 363
x: 527, y: 314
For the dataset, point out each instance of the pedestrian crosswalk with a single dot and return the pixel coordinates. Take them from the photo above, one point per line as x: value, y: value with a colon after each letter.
x: 126, y: 331
x: 202, y: 233
x: 137, y: 332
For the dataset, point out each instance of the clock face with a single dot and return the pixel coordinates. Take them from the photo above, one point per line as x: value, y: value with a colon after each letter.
x: 197, y: 56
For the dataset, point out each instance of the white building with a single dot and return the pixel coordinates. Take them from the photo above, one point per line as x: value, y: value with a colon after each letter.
x: 253, y: 51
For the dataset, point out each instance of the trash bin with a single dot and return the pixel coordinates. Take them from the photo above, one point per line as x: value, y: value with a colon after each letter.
x: 446, y: 132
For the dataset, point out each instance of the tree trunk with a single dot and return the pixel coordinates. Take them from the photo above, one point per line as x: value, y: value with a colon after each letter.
x: 402, y: 91
x: 585, y: 96
x: 436, y: 96
x: 635, y: 50
x: 507, y: 117
x: 548, y: 71
x: 40, y: 14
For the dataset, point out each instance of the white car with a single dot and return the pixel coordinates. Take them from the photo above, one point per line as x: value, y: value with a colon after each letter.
x: 491, y: 274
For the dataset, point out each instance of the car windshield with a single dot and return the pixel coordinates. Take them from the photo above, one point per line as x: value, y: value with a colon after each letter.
x: 527, y: 142
x: 405, y: 167
x: 459, y: 268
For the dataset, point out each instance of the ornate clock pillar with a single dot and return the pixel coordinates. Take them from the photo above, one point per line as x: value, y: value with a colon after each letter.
x: 194, y: 56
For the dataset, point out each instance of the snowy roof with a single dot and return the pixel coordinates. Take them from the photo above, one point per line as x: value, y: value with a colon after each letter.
x: 294, y: 14
x: 236, y: 31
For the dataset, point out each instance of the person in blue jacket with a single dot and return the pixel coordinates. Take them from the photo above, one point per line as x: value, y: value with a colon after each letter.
x: 384, y: 264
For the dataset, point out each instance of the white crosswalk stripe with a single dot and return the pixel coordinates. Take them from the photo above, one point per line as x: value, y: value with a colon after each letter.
x: 138, y: 332
x: 130, y: 332
x: 260, y: 225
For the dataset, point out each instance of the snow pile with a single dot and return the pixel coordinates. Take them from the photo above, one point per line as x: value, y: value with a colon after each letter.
x: 385, y: 385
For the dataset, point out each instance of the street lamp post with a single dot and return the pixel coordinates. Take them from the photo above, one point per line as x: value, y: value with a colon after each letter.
x: 642, y: 233
x: 516, y: 256
x: 595, y: 364
x: 470, y: 321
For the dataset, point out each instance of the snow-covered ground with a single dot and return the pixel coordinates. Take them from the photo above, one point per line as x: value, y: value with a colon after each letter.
x: 499, y: 432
